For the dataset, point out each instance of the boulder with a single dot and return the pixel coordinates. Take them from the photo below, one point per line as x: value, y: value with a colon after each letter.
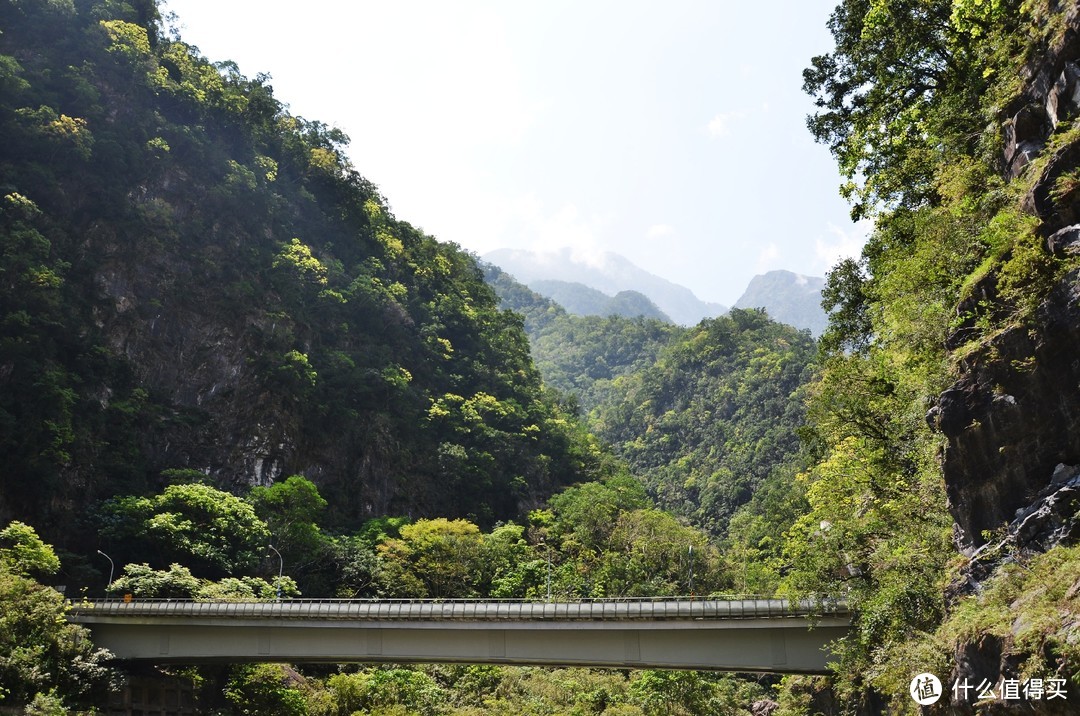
x: 1063, y: 100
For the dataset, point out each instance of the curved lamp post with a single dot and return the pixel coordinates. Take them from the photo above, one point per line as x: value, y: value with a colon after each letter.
x: 281, y: 568
x: 691, y: 561
x: 112, y: 569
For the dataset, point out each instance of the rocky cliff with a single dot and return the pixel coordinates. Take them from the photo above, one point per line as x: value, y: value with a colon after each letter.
x: 1011, y: 419
x: 193, y: 278
x: 1012, y: 416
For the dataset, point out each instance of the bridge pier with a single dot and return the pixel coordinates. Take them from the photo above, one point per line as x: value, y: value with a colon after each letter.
x: 153, y: 695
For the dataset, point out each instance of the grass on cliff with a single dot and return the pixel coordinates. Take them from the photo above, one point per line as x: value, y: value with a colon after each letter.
x: 1033, y: 606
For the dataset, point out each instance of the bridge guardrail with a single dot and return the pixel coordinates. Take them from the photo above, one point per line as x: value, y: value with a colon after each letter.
x: 613, y: 609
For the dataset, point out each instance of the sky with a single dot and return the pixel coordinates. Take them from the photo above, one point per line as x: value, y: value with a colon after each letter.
x: 672, y: 133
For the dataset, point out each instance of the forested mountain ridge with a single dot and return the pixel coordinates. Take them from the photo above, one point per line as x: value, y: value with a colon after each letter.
x: 194, y: 278
x: 702, y: 415
x: 215, y: 336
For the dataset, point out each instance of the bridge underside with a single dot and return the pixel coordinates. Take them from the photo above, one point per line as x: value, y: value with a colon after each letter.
x: 782, y: 645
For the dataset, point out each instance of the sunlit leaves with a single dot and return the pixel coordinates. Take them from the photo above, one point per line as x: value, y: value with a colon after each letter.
x: 297, y: 260
x: 198, y: 525
x: 22, y: 551
x: 39, y: 650
x: 130, y: 44
x: 899, y: 89
x: 435, y: 558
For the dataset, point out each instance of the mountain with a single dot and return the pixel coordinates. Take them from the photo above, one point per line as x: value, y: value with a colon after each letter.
x: 193, y: 279
x: 788, y: 298
x: 704, y: 415
x: 581, y: 300
x: 593, y: 288
x: 609, y: 274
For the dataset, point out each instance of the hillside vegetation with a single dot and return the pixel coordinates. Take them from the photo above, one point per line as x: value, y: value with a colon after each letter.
x: 703, y: 415
x: 193, y: 278
x: 944, y: 401
x: 215, y: 336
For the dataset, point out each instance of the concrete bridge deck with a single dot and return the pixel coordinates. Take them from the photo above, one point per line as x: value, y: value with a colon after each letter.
x: 757, y: 635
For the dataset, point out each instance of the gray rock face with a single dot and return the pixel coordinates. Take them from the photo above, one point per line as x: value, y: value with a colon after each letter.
x: 1044, y: 199
x: 1025, y: 137
x: 788, y: 298
x: 1051, y: 96
x: 1013, y: 415
x: 1065, y: 242
x: 1052, y: 518
x: 1063, y: 100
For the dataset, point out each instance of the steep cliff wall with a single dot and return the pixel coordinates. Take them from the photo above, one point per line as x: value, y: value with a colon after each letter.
x: 192, y: 278
x: 1013, y: 415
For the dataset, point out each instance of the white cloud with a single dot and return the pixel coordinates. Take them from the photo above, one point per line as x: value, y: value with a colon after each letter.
x: 657, y: 231
x: 767, y: 258
x: 847, y: 243
x: 549, y: 233
x: 720, y: 125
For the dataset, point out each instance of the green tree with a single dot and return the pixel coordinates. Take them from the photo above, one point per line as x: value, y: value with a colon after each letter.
x: 246, y: 589
x: 899, y: 94
x: 40, y: 652
x: 435, y: 558
x: 291, y: 510
x: 144, y: 582
x: 585, y: 515
x: 265, y: 689
x: 650, y: 553
x: 379, y: 690
x: 22, y: 551
x: 214, y: 532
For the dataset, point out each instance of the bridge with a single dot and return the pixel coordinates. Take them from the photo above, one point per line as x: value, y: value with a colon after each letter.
x: 748, y: 635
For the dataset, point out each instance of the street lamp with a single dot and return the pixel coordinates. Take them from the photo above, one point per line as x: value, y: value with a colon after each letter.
x: 281, y: 568
x: 548, y: 570
x: 691, y: 560
x: 112, y: 569
x: 543, y: 541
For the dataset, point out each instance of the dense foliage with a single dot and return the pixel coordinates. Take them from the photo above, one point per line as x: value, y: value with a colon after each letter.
x: 199, y: 296
x: 912, y: 103
x: 43, y: 659
x: 595, y: 539
x: 192, y: 277
x: 714, y: 416
x: 702, y: 415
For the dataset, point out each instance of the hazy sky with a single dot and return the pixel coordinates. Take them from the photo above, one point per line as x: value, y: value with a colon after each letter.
x: 672, y: 133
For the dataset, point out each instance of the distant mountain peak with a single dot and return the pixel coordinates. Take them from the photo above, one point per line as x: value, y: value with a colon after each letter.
x: 606, y: 272
x: 789, y: 298
x: 582, y: 300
